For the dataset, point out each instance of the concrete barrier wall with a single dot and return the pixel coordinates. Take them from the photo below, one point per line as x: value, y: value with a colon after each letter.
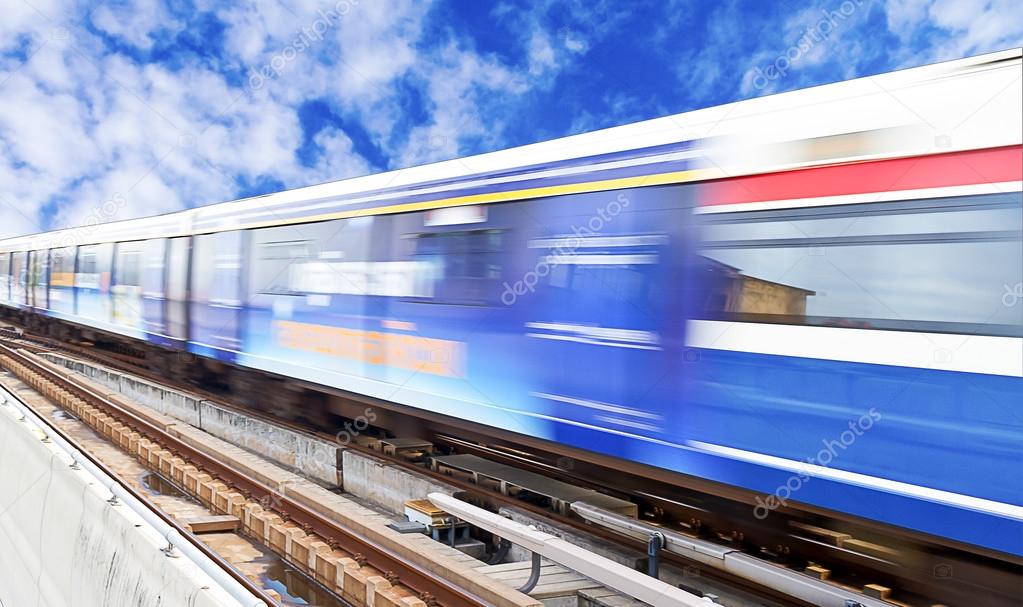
x: 164, y: 400
x: 385, y: 485
x: 169, y: 402
x: 62, y: 543
x: 315, y: 458
x: 328, y: 462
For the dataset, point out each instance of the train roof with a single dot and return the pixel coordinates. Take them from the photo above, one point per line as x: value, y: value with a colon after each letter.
x: 893, y: 114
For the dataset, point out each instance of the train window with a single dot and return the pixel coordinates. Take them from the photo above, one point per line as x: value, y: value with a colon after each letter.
x: 939, y: 266
x: 128, y: 267
x: 325, y: 258
x: 62, y: 267
x: 609, y: 280
x: 5, y: 276
x: 202, y: 268
x: 602, y: 288
x: 274, y: 258
x: 88, y: 268
x: 88, y: 263
x: 465, y: 266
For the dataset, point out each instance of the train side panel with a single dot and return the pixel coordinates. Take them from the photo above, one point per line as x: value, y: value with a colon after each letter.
x: 216, y: 304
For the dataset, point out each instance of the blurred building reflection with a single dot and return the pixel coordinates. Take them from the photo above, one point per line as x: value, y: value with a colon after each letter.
x: 732, y: 292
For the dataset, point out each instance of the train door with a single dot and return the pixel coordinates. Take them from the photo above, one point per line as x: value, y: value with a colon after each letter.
x: 598, y: 316
x: 19, y: 278
x: 92, y: 282
x: 62, y: 280
x: 126, y: 289
x: 5, y: 277
x: 153, y: 290
x: 178, y: 254
x: 39, y: 274
x: 449, y: 342
x: 216, y: 305
x: 308, y: 293
x: 30, y: 279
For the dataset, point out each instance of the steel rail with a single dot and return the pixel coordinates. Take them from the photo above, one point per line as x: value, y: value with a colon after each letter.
x: 476, y: 492
x: 119, y: 363
x: 171, y: 529
x: 411, y: 575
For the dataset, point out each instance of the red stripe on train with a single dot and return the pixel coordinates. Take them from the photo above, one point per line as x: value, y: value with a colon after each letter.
x: 935, y: 171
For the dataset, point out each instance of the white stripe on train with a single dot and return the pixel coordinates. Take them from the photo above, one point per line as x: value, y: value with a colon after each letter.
x: 854, y: 478
x: 941, y: 351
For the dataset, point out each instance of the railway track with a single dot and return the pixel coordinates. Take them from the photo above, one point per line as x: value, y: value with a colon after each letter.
x: 87, y: 404
x: 478, y: 495
x: 902, y: 571
x: 179, y: 530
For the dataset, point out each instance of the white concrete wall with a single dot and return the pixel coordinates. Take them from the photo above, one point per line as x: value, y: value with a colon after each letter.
x: 63, y: 545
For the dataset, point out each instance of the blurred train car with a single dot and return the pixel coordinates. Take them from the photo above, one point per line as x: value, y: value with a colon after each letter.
x: 816, y: 296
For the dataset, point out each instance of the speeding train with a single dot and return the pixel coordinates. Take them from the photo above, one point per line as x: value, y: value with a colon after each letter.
x: 814, y: 296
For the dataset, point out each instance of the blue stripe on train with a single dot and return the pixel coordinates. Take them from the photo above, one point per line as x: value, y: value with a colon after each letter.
x: 947, y: 430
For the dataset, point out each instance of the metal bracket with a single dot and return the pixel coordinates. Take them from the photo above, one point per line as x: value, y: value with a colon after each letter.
x: 653, y: 554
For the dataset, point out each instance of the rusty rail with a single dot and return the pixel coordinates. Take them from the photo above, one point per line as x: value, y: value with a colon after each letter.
x: 170, y: 521
x: 477, y: 494
x: 430, y: 587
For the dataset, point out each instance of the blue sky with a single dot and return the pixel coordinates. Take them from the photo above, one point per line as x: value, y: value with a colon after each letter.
x: 159, y: 106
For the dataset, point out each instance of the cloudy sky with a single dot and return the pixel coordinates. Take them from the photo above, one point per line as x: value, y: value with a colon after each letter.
x: 167, y: 105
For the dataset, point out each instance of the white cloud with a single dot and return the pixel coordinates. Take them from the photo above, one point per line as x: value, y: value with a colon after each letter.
x: 702, y: 71
x: 972, y: 26
x: 939, y: 30
x: 338, y: 160
x: 136, y: 24
x: 457, y: 80
x: 829, y: 41
x: 36, y: 19
x: 83, y: 123
x: 575, y: 43
x: 85, y: 120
